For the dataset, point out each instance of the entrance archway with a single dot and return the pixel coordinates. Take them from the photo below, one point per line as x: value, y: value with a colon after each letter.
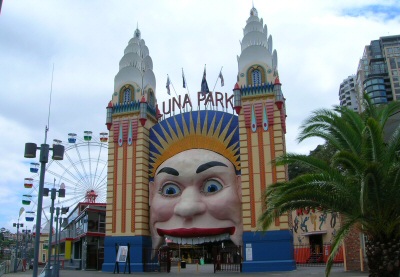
x: 204, y: 258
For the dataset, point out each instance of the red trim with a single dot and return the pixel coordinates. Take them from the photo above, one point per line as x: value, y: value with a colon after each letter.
x: 251, y: 178
x: 142, y: 121
x: 89, y: 234
x: 94, y: 234
x: 115, y: 189
x: 124, y: 177
x: 195, y: 232
x: 133, y: 189
x: 238, y: 109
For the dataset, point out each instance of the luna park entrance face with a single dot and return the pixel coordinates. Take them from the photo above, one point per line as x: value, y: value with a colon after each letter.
x: 203, y: 258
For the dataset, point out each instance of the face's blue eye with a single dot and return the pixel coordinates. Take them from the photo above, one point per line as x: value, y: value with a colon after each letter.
x: 170, y: 189
x: 212, y: 186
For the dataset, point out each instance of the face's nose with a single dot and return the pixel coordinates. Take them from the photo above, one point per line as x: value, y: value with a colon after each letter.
x: 190, y: 203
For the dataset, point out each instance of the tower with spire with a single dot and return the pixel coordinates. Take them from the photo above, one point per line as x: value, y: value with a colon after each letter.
x: 262, y: 121
x: 130, y: 114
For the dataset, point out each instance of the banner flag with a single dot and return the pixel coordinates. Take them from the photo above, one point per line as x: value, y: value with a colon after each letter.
x: 204, y: 85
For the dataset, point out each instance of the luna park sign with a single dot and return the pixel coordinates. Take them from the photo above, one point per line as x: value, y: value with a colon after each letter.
x: 213, y: 99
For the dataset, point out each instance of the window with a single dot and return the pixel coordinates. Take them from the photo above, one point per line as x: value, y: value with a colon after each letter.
x: 151, y: 98
x: 45, y: 245
x: 392, y: 63
x: 256, y: 76
x: 127, y: 95
x: 102, y: 223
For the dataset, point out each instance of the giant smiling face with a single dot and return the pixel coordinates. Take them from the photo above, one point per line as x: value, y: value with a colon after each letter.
x: 196, y: 194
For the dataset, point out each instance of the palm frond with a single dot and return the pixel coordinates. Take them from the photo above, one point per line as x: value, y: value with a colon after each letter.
x: 373, y: 134
x: 332, y: 127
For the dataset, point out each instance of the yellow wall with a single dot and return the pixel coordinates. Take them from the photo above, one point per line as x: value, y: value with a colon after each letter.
x: 68, y: 249
x: 257, y: 150
x: 128, y: 181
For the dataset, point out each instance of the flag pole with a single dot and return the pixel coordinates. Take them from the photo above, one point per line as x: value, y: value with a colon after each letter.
x: 205, y: 68
x: 169, y: 83
x: 173, y: 87
x: 186, y: 85
x: 217, y: 79
x: 175, y: 92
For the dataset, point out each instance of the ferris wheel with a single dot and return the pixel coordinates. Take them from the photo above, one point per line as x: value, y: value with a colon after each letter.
x: 82, y: 172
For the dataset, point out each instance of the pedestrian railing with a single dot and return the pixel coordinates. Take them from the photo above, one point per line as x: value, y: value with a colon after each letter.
x: 5, y: 267
x: 316, y: 255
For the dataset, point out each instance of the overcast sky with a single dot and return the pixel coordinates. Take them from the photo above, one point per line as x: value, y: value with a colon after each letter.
x: 319, y: 43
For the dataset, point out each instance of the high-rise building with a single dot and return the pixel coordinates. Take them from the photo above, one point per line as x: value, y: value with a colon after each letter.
x: 347, y: 93
x: 377, y: 75
x: 379, y: 69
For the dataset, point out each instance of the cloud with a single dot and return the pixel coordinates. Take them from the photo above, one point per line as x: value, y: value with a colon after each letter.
x: 377, y: 11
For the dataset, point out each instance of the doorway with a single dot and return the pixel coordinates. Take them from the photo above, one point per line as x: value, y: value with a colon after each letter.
x: 316, y: 248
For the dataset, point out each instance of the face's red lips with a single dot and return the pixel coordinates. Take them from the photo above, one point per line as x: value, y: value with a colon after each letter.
x: 195, y: 232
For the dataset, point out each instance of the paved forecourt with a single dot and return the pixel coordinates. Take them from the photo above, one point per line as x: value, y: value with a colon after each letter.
x: 204, y: 270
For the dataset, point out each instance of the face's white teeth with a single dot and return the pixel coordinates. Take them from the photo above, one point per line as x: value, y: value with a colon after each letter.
x: 199, y: 240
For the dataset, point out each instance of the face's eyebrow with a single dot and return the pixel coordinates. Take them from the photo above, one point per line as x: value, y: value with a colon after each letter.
x: 208, y: 165
x: 169, y: 170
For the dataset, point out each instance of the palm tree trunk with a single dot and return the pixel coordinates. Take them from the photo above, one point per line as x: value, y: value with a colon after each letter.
x: 383, y: 257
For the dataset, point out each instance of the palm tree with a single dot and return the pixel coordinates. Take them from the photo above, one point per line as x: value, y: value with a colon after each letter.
x: 361, y: 181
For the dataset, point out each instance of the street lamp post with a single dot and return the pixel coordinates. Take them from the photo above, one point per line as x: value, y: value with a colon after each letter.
x: 16, y: 247
x: 30, y: 152
x: 61, y: 193
x: 58, y: 238
x: 57, y: 242
x: 26, y: 240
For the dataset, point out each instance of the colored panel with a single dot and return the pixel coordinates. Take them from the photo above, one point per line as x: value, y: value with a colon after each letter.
x: 68, y: 250
x: 270, y: 112
x: 137, y: 244
x: 270, y: 251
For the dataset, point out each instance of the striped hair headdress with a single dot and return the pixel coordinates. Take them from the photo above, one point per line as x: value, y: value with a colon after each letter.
x: 212, y: 130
